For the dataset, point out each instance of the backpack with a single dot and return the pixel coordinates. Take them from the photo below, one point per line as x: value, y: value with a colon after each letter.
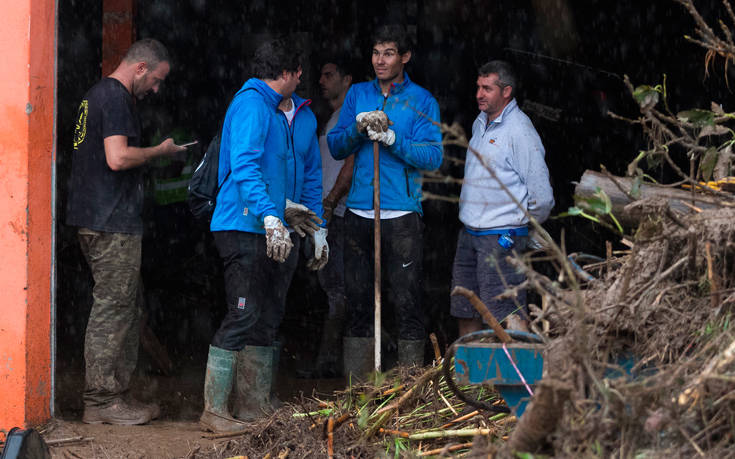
x: 204, y: 186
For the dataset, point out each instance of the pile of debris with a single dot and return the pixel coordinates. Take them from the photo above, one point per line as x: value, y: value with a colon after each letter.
x: 405, y: 412
x: 642, y: 359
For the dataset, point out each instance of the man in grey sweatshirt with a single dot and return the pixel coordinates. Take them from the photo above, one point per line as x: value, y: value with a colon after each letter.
x: 503, y: 139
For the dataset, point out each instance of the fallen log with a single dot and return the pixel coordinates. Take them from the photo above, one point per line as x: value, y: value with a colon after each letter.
x: 618, y: 190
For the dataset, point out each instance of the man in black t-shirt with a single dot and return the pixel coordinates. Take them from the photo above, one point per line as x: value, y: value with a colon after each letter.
x: 106, y: 202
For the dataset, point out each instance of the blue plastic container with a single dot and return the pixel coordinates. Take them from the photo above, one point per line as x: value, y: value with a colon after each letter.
x: 487, y: 363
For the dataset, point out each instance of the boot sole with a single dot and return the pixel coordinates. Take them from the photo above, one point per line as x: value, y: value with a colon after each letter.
x: 133, y: 422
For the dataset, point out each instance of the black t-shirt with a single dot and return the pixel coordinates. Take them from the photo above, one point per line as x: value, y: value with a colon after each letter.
x: 99, y: 198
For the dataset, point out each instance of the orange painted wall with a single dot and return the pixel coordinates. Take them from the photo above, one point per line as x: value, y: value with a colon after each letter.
x: 27, y: 131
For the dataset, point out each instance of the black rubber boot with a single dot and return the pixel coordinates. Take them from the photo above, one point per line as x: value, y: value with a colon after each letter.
x: 217, y: 388
x: 410, y: 352
x: 358, y: 357
x: 329, y: 360
x: 254, y: 382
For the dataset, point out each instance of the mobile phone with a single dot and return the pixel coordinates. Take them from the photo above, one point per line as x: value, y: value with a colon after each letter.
x: 189, y: 144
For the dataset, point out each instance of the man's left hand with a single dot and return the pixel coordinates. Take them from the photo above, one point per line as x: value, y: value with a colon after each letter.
x: 376, y: 120
x: 301, y: 218
x: 387, y: 137
x: 321, y: 251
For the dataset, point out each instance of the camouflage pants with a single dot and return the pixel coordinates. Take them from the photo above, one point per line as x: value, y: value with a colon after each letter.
x: 112, y: 337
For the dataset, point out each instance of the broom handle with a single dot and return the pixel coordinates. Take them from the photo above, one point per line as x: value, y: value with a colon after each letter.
x: 376, y: 250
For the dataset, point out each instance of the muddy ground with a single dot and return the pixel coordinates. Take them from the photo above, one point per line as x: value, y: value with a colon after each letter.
x: 176, y: 433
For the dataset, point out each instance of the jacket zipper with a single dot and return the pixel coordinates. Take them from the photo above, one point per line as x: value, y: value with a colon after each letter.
x: 408, y: 188
x: 293, y: 146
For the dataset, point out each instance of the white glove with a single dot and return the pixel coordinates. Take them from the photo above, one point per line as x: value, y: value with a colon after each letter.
x: 376, y: 120
x: 277, y: 240
x: 301, y: 218
x: 321, y: 251
x: 387, y: 138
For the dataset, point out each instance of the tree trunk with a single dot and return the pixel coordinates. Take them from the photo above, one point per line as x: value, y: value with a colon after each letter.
x: 675, y: 197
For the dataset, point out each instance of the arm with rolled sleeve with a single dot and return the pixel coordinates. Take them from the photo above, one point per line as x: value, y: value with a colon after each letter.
x: 311, y: 195
x: 422, y: 147
x: 248, y: 130
x: 528, y: 156
x: 344, y: 139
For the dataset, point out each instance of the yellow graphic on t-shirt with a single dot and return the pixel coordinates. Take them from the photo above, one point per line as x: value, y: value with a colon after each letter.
x: 80, y: 131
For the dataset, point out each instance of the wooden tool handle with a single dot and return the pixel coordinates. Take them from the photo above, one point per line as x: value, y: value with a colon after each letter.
x: 475, y: 301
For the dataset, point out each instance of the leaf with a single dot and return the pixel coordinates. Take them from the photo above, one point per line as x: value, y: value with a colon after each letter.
x: 708, y: 163
x: 572, y: 212
x: 599, y: 203
x: 715, y: 129
x: 717, y: 108
x: 633, y: 166
x: 646, y: 96
x: 635, y: 188
x: 697, y: 117
x: 653, y: 161
x: 362, y: 419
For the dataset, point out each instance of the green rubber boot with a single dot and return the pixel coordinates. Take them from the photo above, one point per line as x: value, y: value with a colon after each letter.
x: 217, y: 388
x: 410, y: 352
x: 358, y: 357
x: 254, y: 381
x: 275, y: 401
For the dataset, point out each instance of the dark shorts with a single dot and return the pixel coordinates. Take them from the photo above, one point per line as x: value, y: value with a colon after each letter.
x: 480, y: 266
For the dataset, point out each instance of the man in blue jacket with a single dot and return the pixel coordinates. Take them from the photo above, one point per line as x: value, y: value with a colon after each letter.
x: 270, y: 170
x: 399, y: 115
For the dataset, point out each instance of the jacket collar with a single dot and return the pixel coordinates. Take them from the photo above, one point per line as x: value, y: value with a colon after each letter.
x: 512, y: 105
x: 300, y: 102
x: 272, y: 98
x: 395, y: 88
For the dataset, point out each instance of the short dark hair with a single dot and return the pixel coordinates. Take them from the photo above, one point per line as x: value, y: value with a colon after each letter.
x: 273, y: 57
x: 393, y: 33
x: 344, y: 65
x: 504, y: 71
x: 147, y: 50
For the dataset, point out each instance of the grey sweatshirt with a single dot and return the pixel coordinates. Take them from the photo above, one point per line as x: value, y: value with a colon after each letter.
x: 512, y: 147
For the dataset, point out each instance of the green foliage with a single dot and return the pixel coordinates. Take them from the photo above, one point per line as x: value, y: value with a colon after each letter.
x: 598, y: 204
x: 697, y: 117
x: 398, y: 447
x: 708, y: 163
x: 648, y: 96
x: 635, y: 188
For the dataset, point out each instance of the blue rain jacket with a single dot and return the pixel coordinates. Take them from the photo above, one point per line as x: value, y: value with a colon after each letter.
x: 413, y: 111
x: 270, y: 160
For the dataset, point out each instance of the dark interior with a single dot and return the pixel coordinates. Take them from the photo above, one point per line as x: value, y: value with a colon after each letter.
x: 571, y: 56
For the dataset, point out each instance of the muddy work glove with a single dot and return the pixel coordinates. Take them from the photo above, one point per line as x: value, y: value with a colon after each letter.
x: 277, y: 240
x: 387, y: 138
x: 376, y: 120
x: 321, y: 251
x: 301, y: 218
